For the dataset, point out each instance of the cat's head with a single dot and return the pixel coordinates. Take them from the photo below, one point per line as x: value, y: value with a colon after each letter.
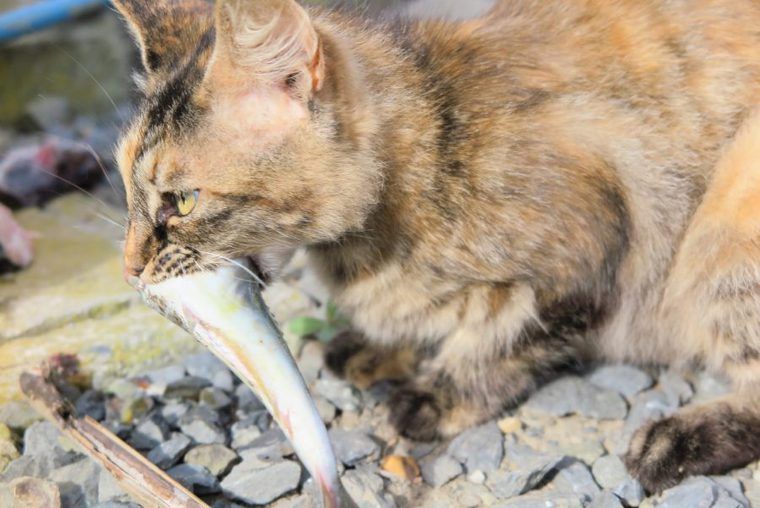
x: 235, y: 149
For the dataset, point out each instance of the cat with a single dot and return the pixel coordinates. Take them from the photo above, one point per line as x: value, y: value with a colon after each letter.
x: 489, y: 201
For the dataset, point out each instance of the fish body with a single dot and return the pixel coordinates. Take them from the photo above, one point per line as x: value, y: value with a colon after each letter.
x: 224, y: 310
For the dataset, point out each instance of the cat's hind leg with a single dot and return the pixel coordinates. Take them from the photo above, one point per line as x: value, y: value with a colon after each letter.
x: 712, y: 310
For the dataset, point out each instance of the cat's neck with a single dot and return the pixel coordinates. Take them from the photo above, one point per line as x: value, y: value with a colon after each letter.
x: 378, y: 99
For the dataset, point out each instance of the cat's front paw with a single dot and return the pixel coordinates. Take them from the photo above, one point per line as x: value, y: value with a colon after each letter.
x: 415, y: 414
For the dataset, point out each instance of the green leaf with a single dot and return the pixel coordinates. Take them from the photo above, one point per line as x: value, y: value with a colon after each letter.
x: 303, y: 326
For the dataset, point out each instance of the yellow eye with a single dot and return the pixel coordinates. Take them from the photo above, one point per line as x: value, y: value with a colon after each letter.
x: 186, y: 202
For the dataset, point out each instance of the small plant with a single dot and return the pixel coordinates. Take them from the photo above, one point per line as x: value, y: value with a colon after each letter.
x: 323, y: 329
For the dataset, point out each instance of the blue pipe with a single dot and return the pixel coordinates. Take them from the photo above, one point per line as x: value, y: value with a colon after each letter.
x: 43, y: 14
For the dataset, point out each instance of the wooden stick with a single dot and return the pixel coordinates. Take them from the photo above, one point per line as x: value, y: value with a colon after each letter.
x: 148, y: 484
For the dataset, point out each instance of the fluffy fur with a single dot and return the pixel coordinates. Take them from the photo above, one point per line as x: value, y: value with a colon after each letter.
x: 489, y: 200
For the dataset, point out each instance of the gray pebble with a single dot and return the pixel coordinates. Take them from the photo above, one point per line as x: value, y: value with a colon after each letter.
x: 366, y: 488
x: 244, y: 433
x: 271, y: 446
x: 609, y: 471
x: 78, y: 482
x: 702, y: 492
x: 247, y: 400
x: 480, y: 448
x: 440, y: 470
x: 709, y: 386
x: 204, y: 365
x: 508, y: 484
x: 325, y: 409
x: 150, y: 433
x: 188, y: 387
x: 203, y: 432
x: 677, y: 390
x: 195, y: 478
x: 340, y: 393
x: 166, y: 375
x: 109, y: 489
x: 216, y: 458
x: 92, y: 404
x: 606, y: 499
x: 250, y: 483
x: 214, y: 398
x: 200, y: 412
x: 224, y: 380
x: 173, y: 411
x: 351, y: 446
x: 116, y: 504
x: 577, y: 479
x: 311, y: 360
x: 168, y: 453
x: 18, y: 415
x: 623, y: 379
x: 572, y: 394
x: 630, y: 492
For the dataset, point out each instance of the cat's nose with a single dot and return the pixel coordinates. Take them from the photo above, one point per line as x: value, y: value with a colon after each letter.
x: 132, y: 274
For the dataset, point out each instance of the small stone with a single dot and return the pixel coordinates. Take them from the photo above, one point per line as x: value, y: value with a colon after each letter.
x: 150, y: 433
x: 109, y: 489
x: 576, y: 478
x: 205, y: 365
x: 630, y: 492
x: 365, y: 488
x: 606, y: 499
x: 609, y: 471
x: 752, y: 491
x: 244, y: 433
x: 44, y: 450
x: 700, y: 492
x: 247, y: 400
x: 533, y: 469
x: 341, y: 394
x: 8, y: 450
x: 78, y: 482
x: 351, y: 446
x: 216, y: 458
x: 440, y: 470
x: 215, y: 398
x: 572, y: 394
x: 34, y: 493
x: 195, y: 478
x: 92, y: 404
x: 166, y: 375
x: 271, y: 446
x: 135, y: 408
x: 18, y: 415
x: 168, y: 453
x: 203, y: 432
x: 174, y: 411
x: 224, y: 380
x: 477, y: 477
x: 311, y: 360
x: 188, y: 387
x: 116, y: 504
x: 479, y: 448
x: 509, y: 425
x: 677, y: 390
x: 301, y: 501
x: 587, y: 451
x: 253, y: 484
x: 623, y: 379
x: 325, y: 409
x: 401, y: 466
x: 123, y: 389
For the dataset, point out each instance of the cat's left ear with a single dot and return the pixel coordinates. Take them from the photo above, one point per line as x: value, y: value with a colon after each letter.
x: 266, y: 42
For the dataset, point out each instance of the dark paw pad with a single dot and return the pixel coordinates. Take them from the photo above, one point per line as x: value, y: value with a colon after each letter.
x: 340, y: 350
x: 415, y: 414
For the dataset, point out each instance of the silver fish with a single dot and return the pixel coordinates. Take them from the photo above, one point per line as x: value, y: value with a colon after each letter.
x: 224, y: 311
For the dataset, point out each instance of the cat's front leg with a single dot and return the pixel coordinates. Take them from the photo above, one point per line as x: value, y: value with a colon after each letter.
x: 466, y: 385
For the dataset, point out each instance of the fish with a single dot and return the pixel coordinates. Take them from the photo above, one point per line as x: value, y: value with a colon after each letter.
x: 224, y: 310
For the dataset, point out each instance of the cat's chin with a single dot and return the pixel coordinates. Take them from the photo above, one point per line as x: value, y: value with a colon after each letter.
x: 269, y: 263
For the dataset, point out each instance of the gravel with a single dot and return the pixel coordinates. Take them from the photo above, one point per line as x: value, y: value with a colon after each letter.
x: 440, y: 470
x: 210, y: 432
x: 572, y: 394
x: 253, y: 484
x: 623, y: 379
x: 480, y: 448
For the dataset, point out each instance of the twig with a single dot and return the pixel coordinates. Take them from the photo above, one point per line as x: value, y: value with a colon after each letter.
x: 148, y: 484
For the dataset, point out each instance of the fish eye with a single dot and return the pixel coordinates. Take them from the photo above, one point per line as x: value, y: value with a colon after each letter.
x: 186, y: 202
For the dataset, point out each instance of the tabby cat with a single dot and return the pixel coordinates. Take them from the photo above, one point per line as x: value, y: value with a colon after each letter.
x: 489, y: 200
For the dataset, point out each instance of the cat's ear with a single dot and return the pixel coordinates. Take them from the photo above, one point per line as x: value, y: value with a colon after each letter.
x: 166, y: 30
x: 266, y: 42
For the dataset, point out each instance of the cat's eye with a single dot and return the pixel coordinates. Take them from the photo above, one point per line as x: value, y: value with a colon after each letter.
x: 186, y: 202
